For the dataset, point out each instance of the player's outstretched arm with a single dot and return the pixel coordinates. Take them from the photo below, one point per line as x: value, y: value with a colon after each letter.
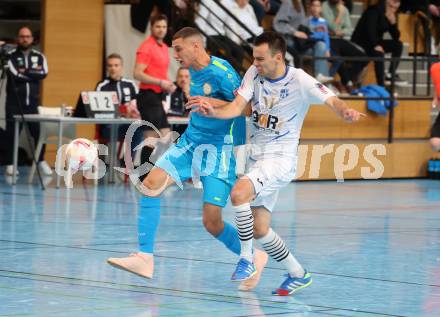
x: 342, y: 110
x: 227, y: 111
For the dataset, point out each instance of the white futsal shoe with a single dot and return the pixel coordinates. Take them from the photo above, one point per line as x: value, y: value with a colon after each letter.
x: 260, y: 260
x: 139, y: 263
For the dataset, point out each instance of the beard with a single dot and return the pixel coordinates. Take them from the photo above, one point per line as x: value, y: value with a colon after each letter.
x: 24, y: 47
x: 159, y: 35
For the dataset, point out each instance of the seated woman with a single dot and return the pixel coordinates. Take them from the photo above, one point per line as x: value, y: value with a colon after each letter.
x: 291, y: 21
x: 339, y: 24
x: 369, y: 34
x: 211, y: 19
x: 244, y: 12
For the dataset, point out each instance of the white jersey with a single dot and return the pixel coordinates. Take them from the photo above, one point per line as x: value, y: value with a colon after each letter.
x: 279, y: 107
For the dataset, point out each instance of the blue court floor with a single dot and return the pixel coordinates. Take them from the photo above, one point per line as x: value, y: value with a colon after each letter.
x: 373, y: 248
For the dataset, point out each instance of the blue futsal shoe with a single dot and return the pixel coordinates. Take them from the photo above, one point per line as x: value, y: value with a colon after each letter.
x: 245, y: 270
x: 293, y: 284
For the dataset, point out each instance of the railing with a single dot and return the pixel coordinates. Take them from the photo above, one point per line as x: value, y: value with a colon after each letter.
x: 230, y: 14
x: 415, y: 59
x: 244, y: 43
x: 427, y: 50
x: 391, y: 89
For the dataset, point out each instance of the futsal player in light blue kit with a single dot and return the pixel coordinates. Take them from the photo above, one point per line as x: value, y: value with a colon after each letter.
x: 212, y: 78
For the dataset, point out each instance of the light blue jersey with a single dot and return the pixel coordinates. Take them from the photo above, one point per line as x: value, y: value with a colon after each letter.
x: 188, y: 158
x: 205, y: 152
x: 220, y: 81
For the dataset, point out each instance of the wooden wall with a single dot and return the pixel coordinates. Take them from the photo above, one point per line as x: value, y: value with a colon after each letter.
x: 406, y: 23
x: 370, y: 160
x: 411, y: 121
x: 332, y: 149
x: 72, y: 39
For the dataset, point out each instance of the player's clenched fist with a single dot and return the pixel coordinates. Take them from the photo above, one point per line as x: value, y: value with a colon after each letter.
x: 201, y: 105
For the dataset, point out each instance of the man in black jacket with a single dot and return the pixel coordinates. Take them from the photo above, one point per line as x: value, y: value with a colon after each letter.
x: 26, y: 68
x: 373, y: 24
x: 127, y: 92
x: 179, y: 98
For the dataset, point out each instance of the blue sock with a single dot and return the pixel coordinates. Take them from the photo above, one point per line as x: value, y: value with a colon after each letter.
x: 229, y: 237
x: 148, y: 221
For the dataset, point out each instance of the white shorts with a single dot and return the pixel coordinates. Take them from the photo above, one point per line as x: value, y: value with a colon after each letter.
x: 268, y: 176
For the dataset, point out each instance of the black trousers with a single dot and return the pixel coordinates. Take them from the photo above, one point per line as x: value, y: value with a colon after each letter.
x: 436, y: 29
x: 150, y: 107
x: 389, y: 46
x: 347, y: 70
x: 349, y: 5
x: 259, y: 9
x: 34, y: 129
x: 435, y: 131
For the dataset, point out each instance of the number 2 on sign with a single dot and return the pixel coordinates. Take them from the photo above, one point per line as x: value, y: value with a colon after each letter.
x: 101, y: 101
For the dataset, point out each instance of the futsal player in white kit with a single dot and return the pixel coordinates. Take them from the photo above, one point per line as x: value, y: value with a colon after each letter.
x: 280, y: 97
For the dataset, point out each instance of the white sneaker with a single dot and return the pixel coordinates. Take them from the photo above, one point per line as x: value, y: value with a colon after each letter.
x: 45, y: 168
x: 397, y: 80
x: 10, y: 170
x: 323, y: 79
x: 139, y: 263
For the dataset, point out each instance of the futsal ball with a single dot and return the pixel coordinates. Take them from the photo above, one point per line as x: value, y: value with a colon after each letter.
x: 81, y: 154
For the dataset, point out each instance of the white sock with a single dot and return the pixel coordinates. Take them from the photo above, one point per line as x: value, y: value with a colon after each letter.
x: 276, y: 248
x: 245, y: 227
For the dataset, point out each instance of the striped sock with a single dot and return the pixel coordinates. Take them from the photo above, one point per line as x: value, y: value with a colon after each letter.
x: 277, y: 249
x: 245, y: 227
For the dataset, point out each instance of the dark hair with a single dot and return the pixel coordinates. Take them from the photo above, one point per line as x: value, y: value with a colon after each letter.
x: 25, y: 27
x: 274, y: 40
x: 115, y: 55
x: 157, y: 18
x: 186, y: 32
x: 182, y: 68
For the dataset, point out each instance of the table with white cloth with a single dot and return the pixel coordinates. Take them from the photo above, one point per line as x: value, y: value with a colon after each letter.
x: 62, y: 121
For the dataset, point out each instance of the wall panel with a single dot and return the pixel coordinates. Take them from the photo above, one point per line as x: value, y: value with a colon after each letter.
x: 72, y: 39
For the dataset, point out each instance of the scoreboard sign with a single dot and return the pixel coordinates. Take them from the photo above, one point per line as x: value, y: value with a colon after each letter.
x: 101, y: 104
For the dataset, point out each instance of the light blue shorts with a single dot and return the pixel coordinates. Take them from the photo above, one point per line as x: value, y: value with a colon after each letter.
x: 213, y: 165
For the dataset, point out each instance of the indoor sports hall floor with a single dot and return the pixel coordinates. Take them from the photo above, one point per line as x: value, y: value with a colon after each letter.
x: 373, y: 249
